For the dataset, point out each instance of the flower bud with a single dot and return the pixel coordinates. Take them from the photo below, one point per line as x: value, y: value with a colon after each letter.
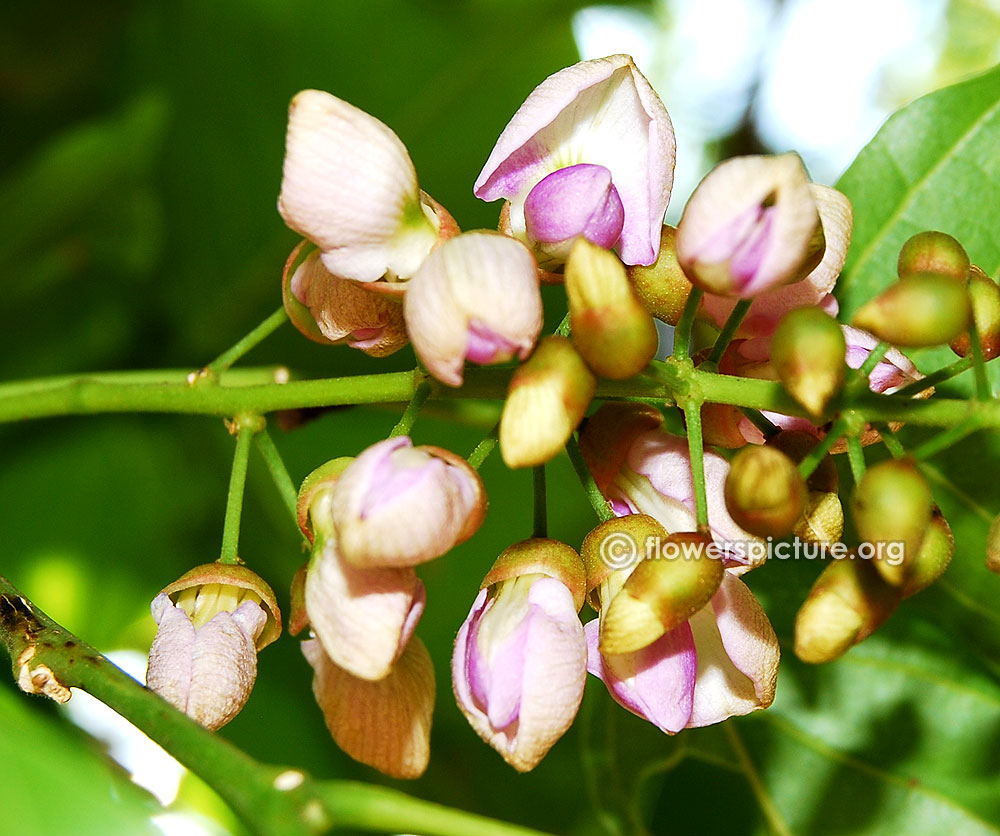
x: 335, y: 311
x: 808, y: 352
x: 203, y: 660
x: 602, y: 113
x: 921, y: 309
x: 985, y: 297
x: 993, y: 546
x: 933, y: 557
x: 476, y: 297
x: 611, y: 329
x: 400, y: 505
x: 612, y: 550
x: 546, y: 400
x: 933, y: 252
x: 797, y: 444
x: 520, y: 658
x: 570, y: 203
x: 751, y: 225
x: 662, y: 287
x: 350, y: 187
x: 385, y: 724
x: 892, y: 510
x: 848, y: 602
x: 822, y: 521
x: 765, y: 494
x: 323, y: 478
x: 662, y: 592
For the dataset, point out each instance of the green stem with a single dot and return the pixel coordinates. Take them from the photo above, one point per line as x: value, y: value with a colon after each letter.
x: 817, y: 454
x: 696, y: 447
x: 944, y: 440
x: 47, y: 656
x: 891, y: 441
x: 246, y: 428
x: 484, y: 448
x: 682, y: 333
x: 249, y: 342
x: 540, y: 527
x: 728, y: 330
x: 979, y: 363
x: 933, y: 379
x: 597, y: 501
x: 409, y: 417
x: 872, y: 360
x: 760, y: 421
x: 279, y: 473
x: 856, y: 457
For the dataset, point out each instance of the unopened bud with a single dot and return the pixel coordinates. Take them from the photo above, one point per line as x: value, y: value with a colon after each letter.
x: 765, y: 494
x: 661, y: 593
x: 808, y: 352
x: 541, y: 556
x: 933, y: 558
x: 822, y: 521
x: 611, y: 329
x: 993, y: 546
x: 921, y: 309
x: 662, y: 287
x: 933, y: 252
x: 985, y: 297
x: 612, y: 550
x: 547, y: 398
x: 323, y: 478
x: 892, y: 508
x: 797, y: 444
x: 848, y: 602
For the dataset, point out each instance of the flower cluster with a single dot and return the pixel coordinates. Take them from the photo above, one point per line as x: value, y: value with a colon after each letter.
x: 584, y: 170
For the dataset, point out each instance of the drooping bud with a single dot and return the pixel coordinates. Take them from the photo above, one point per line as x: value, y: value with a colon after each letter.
x: 933, y: 558
x: 385, y: 724
x: 520, y: 658
x: 751, y: 225
x: 601, y: 112
x: 662, y: 287
x: 921, y: 309
x: 335, y: 311
x: 211, y: 623
x: 765, y: 494
x: 892, y: 510
x: 848, y: 602
x: 546, y: 400
x: 933, y: 252
x: 350, y: 187
x: 663, y: 592
x: 570, y: 203
x: 475, y: 297
x: 613, y: 549
x: 400, y: 505
x: 808, y: 352
x: 611, y: 329
x: 985, y: 297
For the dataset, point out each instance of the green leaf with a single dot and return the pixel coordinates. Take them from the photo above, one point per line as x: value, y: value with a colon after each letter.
x: 933, y: 165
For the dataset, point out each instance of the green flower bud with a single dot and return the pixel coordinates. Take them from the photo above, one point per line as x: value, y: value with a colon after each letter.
x: 808, y: 352
x: 546, y: 400
x: 611, y: 329
x: 612, y: 550
x: 822, y: 521
x: 933, y: 252
x: 848, y: 602
x: 985, y: 296
x: 892, y: 509
x: 662, y: 287
x: 661, y: 593
x: 921, y: 309
x: 933, y: 558
x: 765, y: 494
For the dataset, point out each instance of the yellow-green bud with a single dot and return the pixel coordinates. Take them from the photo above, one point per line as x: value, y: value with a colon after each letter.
x: 985, y: 296
x: 933, y: 252
x: 611, y: 329
x: 612, y: 550
x: 933, y: 558
x: 797, y: 444
x: 546, y: 400
x: 892, y: 510
x: 662, y: 286
x: 662, y: 592
x: 765, y: 494
x: 808, y: 352
x: 921, y: 309
x: 822, y: 521
x: 848, y: 602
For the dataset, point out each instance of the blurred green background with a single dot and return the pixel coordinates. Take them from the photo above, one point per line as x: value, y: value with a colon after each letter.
x: 140, y: 161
